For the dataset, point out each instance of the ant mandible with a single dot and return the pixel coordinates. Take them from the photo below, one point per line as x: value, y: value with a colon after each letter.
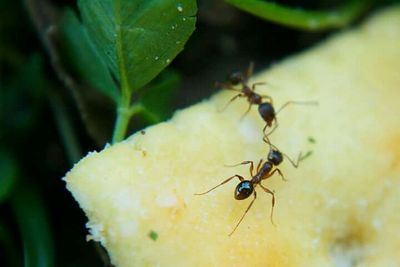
x: 263, y: 171
x: 265, y: 108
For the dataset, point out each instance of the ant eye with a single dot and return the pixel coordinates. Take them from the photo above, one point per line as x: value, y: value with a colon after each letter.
x: 275, y: 157
x: 243, y: 190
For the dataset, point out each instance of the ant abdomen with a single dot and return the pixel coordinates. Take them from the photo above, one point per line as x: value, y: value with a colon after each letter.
x: 267, y: 112
x: 243, y: 190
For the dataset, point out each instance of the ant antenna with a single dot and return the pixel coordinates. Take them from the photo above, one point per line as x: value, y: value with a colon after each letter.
x: 247, y: 112
x: 230, y: 101
x: 295, y: 164
x: 244, y: 163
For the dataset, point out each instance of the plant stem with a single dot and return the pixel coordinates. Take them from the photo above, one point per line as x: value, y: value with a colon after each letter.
x: 123, y: 109
x: 121, y: 124
x: 303, y: 19
x: 124, y: 114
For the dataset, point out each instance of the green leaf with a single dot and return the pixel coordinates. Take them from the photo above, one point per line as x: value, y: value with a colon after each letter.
x: 304, y: 19
x: 83, y: 57
x: 34, y: 226
x: 8, y: 174
x: 156, y: 98
x: 138, y: 38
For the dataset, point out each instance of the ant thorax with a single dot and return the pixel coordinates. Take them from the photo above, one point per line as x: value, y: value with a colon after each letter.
x: 264, y: 170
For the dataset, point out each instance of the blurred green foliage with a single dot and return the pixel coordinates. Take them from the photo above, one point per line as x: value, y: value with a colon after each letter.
x: 311, y: 20
x: 85, y: 61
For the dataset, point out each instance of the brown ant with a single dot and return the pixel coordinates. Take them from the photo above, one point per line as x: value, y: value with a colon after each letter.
x: 264, y: 170
x: 265, y: 108
x: 238, y: 78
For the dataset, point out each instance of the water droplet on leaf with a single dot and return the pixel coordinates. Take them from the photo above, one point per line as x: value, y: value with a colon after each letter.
x: 179, y: 7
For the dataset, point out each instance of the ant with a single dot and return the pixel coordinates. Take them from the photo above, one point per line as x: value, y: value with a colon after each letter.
x: 264, y: 170
x: 265, y: 108
x: 239, y: 78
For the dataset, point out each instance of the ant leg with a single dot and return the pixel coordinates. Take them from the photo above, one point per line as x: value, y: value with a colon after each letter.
x: 247, y: 111
x: 259, y: 165
x: 296, y: 103
x: 244, y: 214
x: 273, y: 129
x: 244, y: 163
x: 253, y: 86
x: 224, y: 182
x: 273, y: 202
x: 279, y: 172
x: 230, y: 101
x: 257, y: 84
x: 267, y: 97
x: 268, y: 142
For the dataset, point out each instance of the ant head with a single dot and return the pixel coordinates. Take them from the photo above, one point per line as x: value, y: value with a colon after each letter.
x: 275, y: 157
x: 236, y: 77
x: 267, y: 112
x: 243, y: 190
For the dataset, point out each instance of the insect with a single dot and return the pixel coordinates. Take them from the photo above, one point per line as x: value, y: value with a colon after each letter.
x: 240, y: 78
x: 245, y: 188
x: 264, y: 170
x: 264, y: 102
